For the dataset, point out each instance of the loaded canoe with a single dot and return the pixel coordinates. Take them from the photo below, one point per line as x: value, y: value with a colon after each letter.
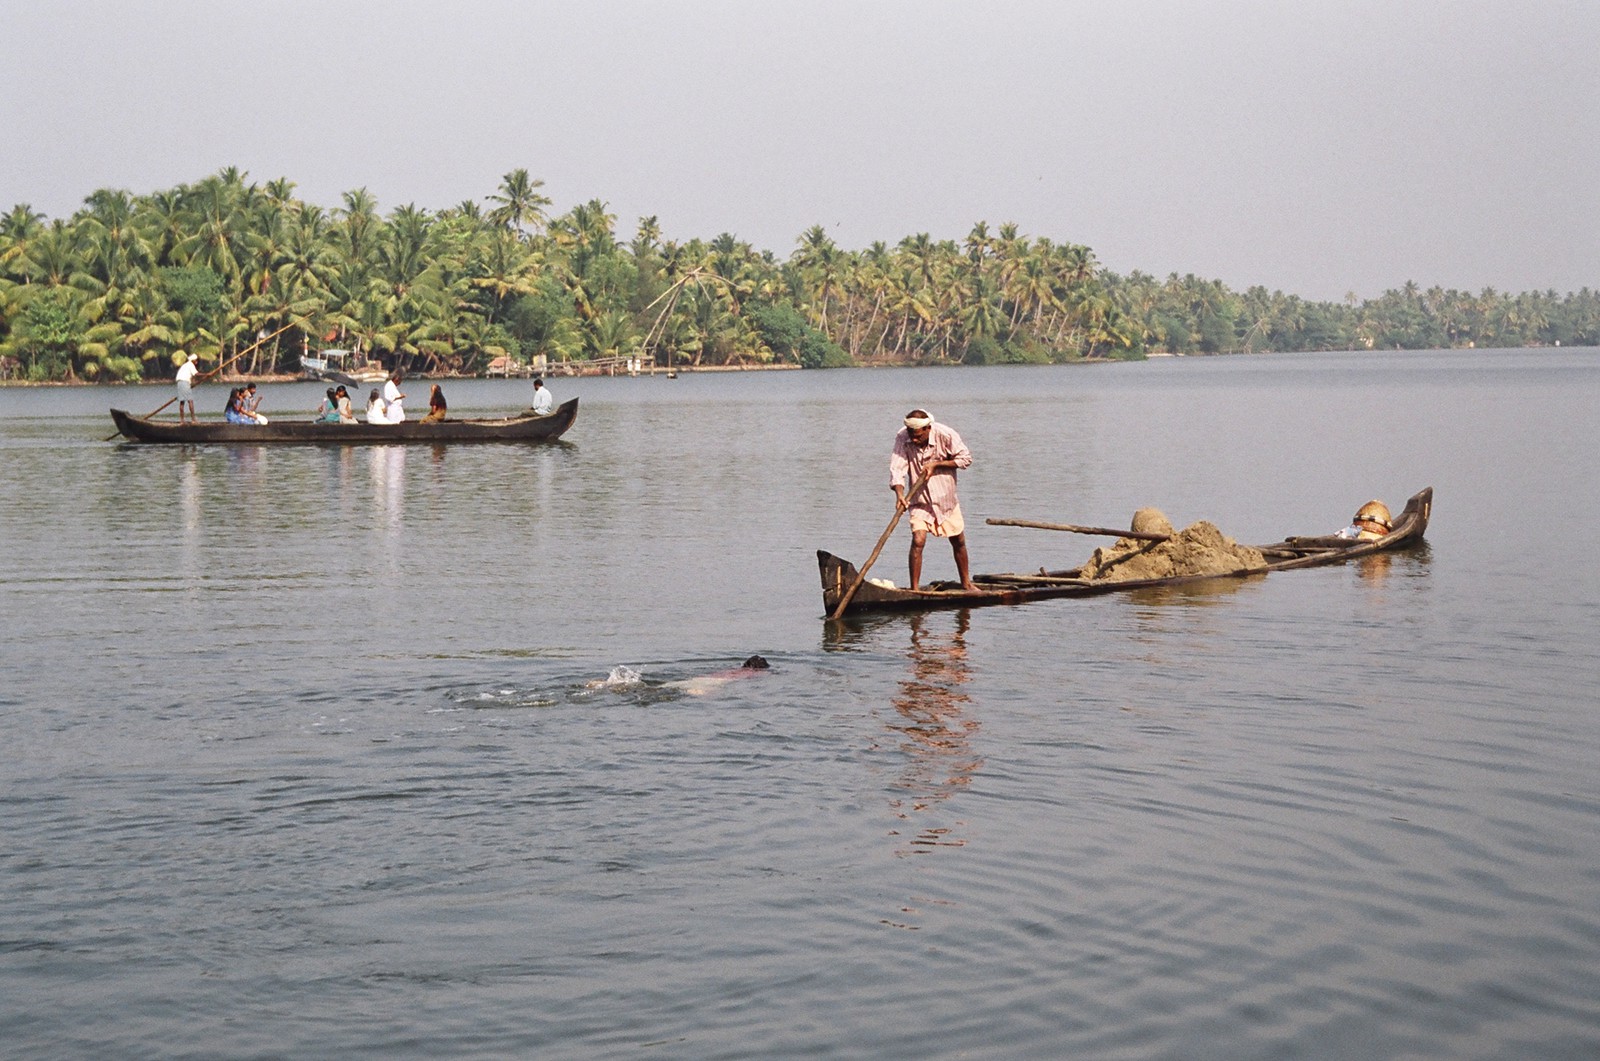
x: 524, y: 427
x: 1291, y: 553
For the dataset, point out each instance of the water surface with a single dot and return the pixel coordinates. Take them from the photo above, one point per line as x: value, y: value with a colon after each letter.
x: 309, y: 750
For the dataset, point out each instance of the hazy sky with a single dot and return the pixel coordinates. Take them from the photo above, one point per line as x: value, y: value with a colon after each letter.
x: 1315, y: 146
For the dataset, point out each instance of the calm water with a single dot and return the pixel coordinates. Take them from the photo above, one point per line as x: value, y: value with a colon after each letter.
x: 302, y: 754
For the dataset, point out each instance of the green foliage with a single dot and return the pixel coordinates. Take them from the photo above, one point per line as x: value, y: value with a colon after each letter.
x: 1216, y: 333
x: 114, y: 291
x: 982, y: 350
x: 786, y: 333
x: 782, y: 326
x: 45, y: 334
x: 818, y: 351
x: 196, y: 292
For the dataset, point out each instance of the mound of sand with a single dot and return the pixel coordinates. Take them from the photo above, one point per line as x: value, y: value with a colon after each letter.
x: 1200, y: 549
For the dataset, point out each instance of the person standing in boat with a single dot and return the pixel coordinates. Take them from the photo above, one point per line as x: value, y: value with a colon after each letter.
x: 393, y: 400
x: 924, y: 446
x: 186, y: 373
x: 543, y: 400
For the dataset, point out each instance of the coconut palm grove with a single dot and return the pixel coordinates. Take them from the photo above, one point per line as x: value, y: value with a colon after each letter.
x: 245, y: 272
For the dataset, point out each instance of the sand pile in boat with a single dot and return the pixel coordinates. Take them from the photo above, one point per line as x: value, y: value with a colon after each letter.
x: 1199, y: 549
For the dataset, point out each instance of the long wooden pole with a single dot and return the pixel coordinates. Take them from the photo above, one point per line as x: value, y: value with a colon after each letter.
x: 861, y: 575
x: 1144, y: 536
x: 218, y: 370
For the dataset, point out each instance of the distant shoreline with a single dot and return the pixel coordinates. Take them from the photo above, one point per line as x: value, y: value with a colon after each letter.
x: 286, y: 377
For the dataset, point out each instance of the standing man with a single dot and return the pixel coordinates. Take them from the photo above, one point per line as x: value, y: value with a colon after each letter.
x: 393, y: 398
x: 924, y: 446
x: 186, y: 373
x: 543, y: 400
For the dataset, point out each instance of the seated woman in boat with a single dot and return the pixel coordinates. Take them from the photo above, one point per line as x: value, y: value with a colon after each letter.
x: 1371, y: 521
x: 328, y: 411
x: 341, y: 398
x: 377, y: 410
x: 436, y: 406
x: 236, y: 413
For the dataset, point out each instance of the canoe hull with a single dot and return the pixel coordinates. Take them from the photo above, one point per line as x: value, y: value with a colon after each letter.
x: 1291, y: 553
x: 524, y: 428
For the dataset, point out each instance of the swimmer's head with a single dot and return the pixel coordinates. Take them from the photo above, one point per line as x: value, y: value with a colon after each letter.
x: 756, y: 663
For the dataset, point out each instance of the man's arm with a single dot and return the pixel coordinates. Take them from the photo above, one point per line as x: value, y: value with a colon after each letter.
x: 956, y: 454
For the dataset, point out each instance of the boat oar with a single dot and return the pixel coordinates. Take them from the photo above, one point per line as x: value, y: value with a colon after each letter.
x: 1144, y: 536
x: 861, y: 575
x: 220, y: 368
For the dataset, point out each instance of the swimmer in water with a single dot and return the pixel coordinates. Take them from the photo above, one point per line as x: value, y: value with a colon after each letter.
x: 708, y: 683
x: 624, y: 678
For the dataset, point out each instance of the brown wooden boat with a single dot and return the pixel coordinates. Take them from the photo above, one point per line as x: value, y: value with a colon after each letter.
x: 1291, y: 553
x: 524, y: 427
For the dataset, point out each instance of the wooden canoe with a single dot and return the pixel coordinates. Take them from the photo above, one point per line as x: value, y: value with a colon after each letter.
x: 524, y: 427
x: 1287, y: 555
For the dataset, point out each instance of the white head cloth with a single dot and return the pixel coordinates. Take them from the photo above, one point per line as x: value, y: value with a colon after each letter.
x: 916, y: 423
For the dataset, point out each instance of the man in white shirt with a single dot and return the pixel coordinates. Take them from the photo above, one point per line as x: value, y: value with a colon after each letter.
x: 543, y: 400
x: 393, y: 399
x: 186, y: 373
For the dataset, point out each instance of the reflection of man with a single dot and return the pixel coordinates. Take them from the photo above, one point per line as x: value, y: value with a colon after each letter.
x: 543, y: 400
x: 923, y: 446
x: 939, y: 732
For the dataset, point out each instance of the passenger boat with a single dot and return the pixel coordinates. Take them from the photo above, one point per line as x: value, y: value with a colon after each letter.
x: 1291, y: 553
x: 523, y: 427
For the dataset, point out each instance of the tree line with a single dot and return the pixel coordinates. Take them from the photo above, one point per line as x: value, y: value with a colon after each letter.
x: 128, y: 285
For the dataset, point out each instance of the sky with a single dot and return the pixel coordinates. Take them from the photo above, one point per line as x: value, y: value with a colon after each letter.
x: 1324, y: 148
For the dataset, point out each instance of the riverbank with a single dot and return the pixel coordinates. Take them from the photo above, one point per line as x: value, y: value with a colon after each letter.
x: 294, y: 377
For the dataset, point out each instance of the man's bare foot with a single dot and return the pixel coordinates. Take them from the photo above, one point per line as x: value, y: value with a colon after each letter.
x: 970, y: 586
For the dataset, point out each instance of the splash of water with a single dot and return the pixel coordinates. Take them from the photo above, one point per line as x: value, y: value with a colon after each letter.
x: 621, y: 677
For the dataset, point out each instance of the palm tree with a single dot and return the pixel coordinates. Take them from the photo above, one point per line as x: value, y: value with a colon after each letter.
x: 54, y: 256
x: 520, y: 202
x: 214, y: 234
x: 505, y: 270
x: 164, y: 216
x: 17, y: 229
x: 114, y: 246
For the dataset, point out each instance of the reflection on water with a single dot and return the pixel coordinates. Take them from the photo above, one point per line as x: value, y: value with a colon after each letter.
x: 245, y: 466
x: 387, y: 465
x: 189, y: 505
x: 1200, y: 594
x: 1374, y: 569
x: 931, y: 709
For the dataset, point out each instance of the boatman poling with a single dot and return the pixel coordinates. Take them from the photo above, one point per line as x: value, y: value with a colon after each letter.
x: 925, y: 447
